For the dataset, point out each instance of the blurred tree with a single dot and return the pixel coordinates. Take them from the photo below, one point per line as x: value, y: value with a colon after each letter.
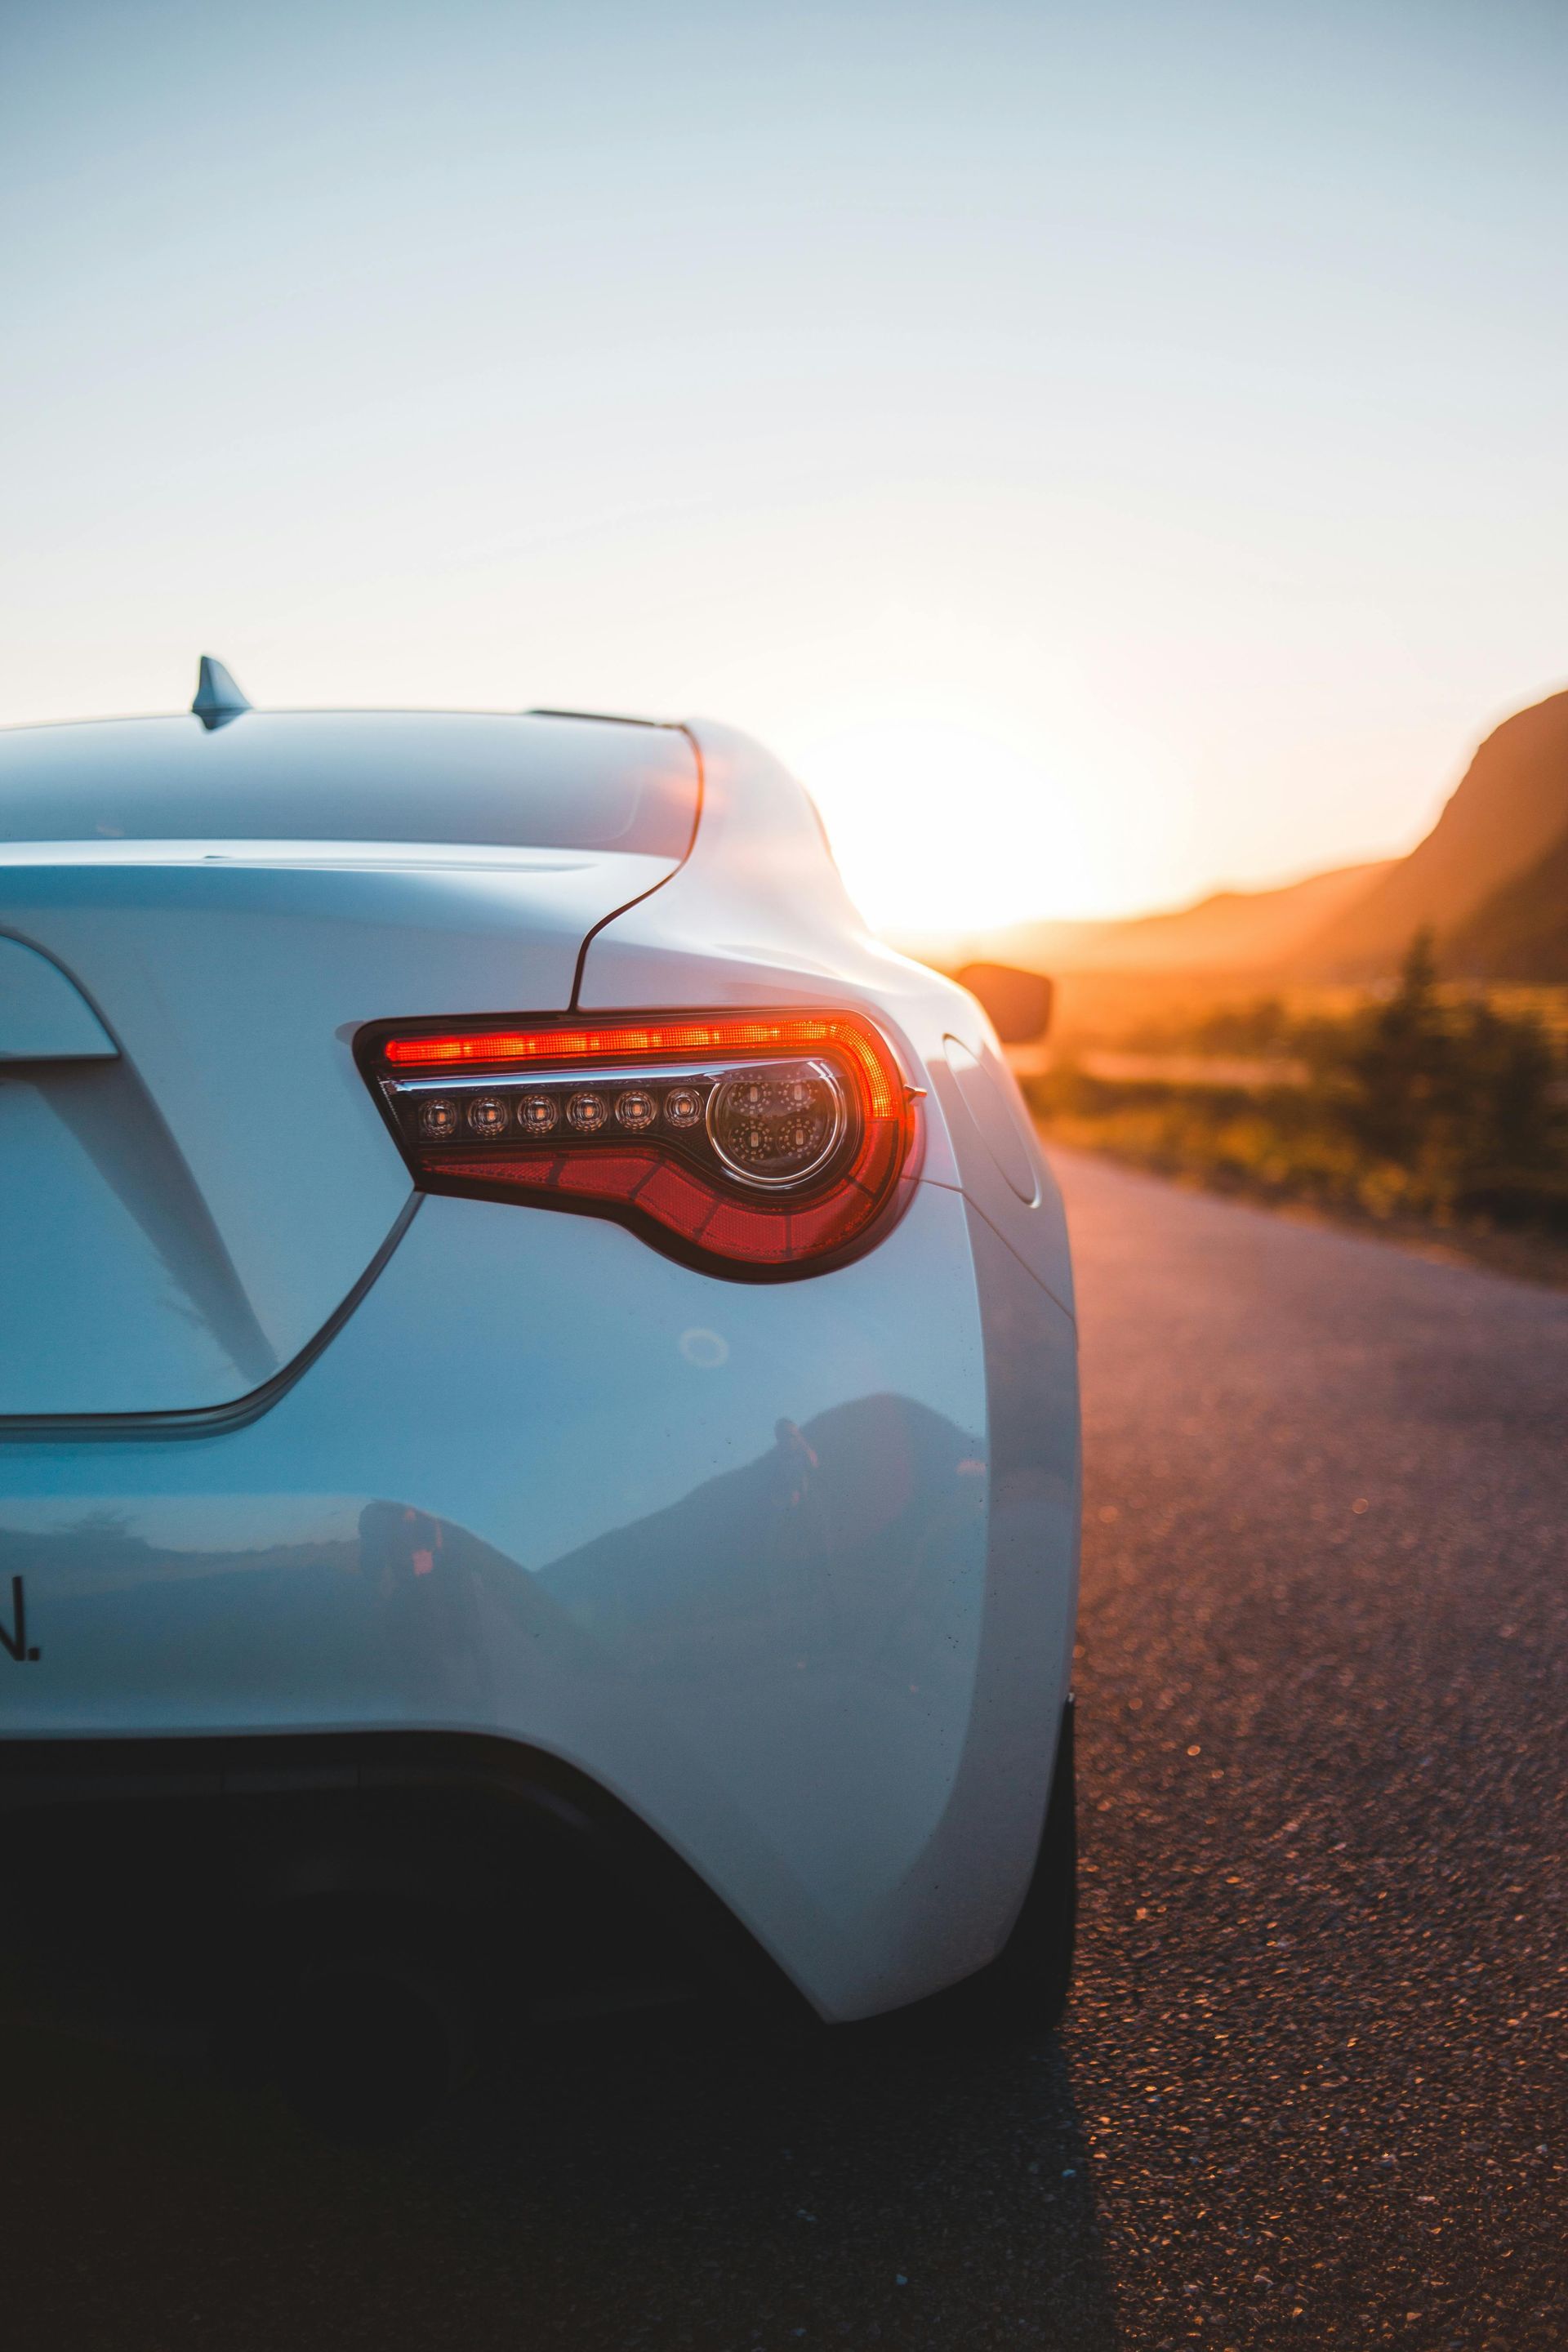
x: 1398, y: 1064
x: 1452, y: 1094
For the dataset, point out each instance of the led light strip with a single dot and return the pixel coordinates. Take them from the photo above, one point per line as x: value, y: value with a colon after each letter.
x: 796, y: 1033
x: 815, y: 1196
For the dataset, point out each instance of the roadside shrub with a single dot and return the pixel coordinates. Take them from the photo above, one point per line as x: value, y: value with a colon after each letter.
x: 1412, y: 1104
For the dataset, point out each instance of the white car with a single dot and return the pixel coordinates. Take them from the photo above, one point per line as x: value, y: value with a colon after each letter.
x: 537, y: 1369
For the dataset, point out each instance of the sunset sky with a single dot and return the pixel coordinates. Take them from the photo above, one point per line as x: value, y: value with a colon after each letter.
x: 1108, y: 450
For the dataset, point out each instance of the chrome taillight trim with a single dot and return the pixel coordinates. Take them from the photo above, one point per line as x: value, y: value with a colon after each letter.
x: 707, y: 1075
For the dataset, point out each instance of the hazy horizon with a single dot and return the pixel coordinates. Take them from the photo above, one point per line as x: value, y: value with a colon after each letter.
x: 1112, y: 456
x: 932, y: 933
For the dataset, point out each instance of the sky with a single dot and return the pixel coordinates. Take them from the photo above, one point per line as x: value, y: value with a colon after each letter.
x: 1109, y: 451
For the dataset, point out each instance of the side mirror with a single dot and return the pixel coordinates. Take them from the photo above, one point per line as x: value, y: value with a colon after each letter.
x: 1018, y: 1003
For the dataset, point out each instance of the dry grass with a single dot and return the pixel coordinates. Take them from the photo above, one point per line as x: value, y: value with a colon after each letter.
x: 1269, y: 1180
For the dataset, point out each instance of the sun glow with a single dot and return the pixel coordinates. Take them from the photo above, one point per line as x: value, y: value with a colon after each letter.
x: 939, y: 826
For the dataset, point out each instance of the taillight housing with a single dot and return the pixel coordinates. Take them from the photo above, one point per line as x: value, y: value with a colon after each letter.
x: 760, y: 1146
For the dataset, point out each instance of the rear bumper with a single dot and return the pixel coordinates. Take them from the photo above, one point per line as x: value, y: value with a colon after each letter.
x: 234, y: 1837
x: 788, y: 1573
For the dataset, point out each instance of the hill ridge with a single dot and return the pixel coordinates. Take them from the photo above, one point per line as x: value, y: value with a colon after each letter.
x: 1506, y: 813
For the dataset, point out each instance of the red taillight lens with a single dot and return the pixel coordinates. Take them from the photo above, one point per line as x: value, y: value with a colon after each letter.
x: 752, y: 1143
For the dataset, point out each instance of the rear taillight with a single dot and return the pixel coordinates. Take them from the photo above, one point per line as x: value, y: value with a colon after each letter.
x: 751, y: 1144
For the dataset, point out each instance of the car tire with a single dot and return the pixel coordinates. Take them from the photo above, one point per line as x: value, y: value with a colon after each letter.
x: 1023, y: 1992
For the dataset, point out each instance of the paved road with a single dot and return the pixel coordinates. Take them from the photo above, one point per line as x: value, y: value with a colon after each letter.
x: 1312, y: 2091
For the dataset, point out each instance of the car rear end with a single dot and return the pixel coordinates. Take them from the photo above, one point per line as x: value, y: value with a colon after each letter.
x: 537, y: 1378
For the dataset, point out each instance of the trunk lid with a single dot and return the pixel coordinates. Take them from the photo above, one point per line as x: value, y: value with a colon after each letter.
x: 186, y: 1200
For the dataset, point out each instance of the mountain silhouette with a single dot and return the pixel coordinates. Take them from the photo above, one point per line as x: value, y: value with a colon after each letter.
x: 1520, y: 932
x: 1508, y: 814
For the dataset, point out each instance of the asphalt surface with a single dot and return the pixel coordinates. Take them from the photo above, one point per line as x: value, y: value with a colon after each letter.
x: 1314, y: 2084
